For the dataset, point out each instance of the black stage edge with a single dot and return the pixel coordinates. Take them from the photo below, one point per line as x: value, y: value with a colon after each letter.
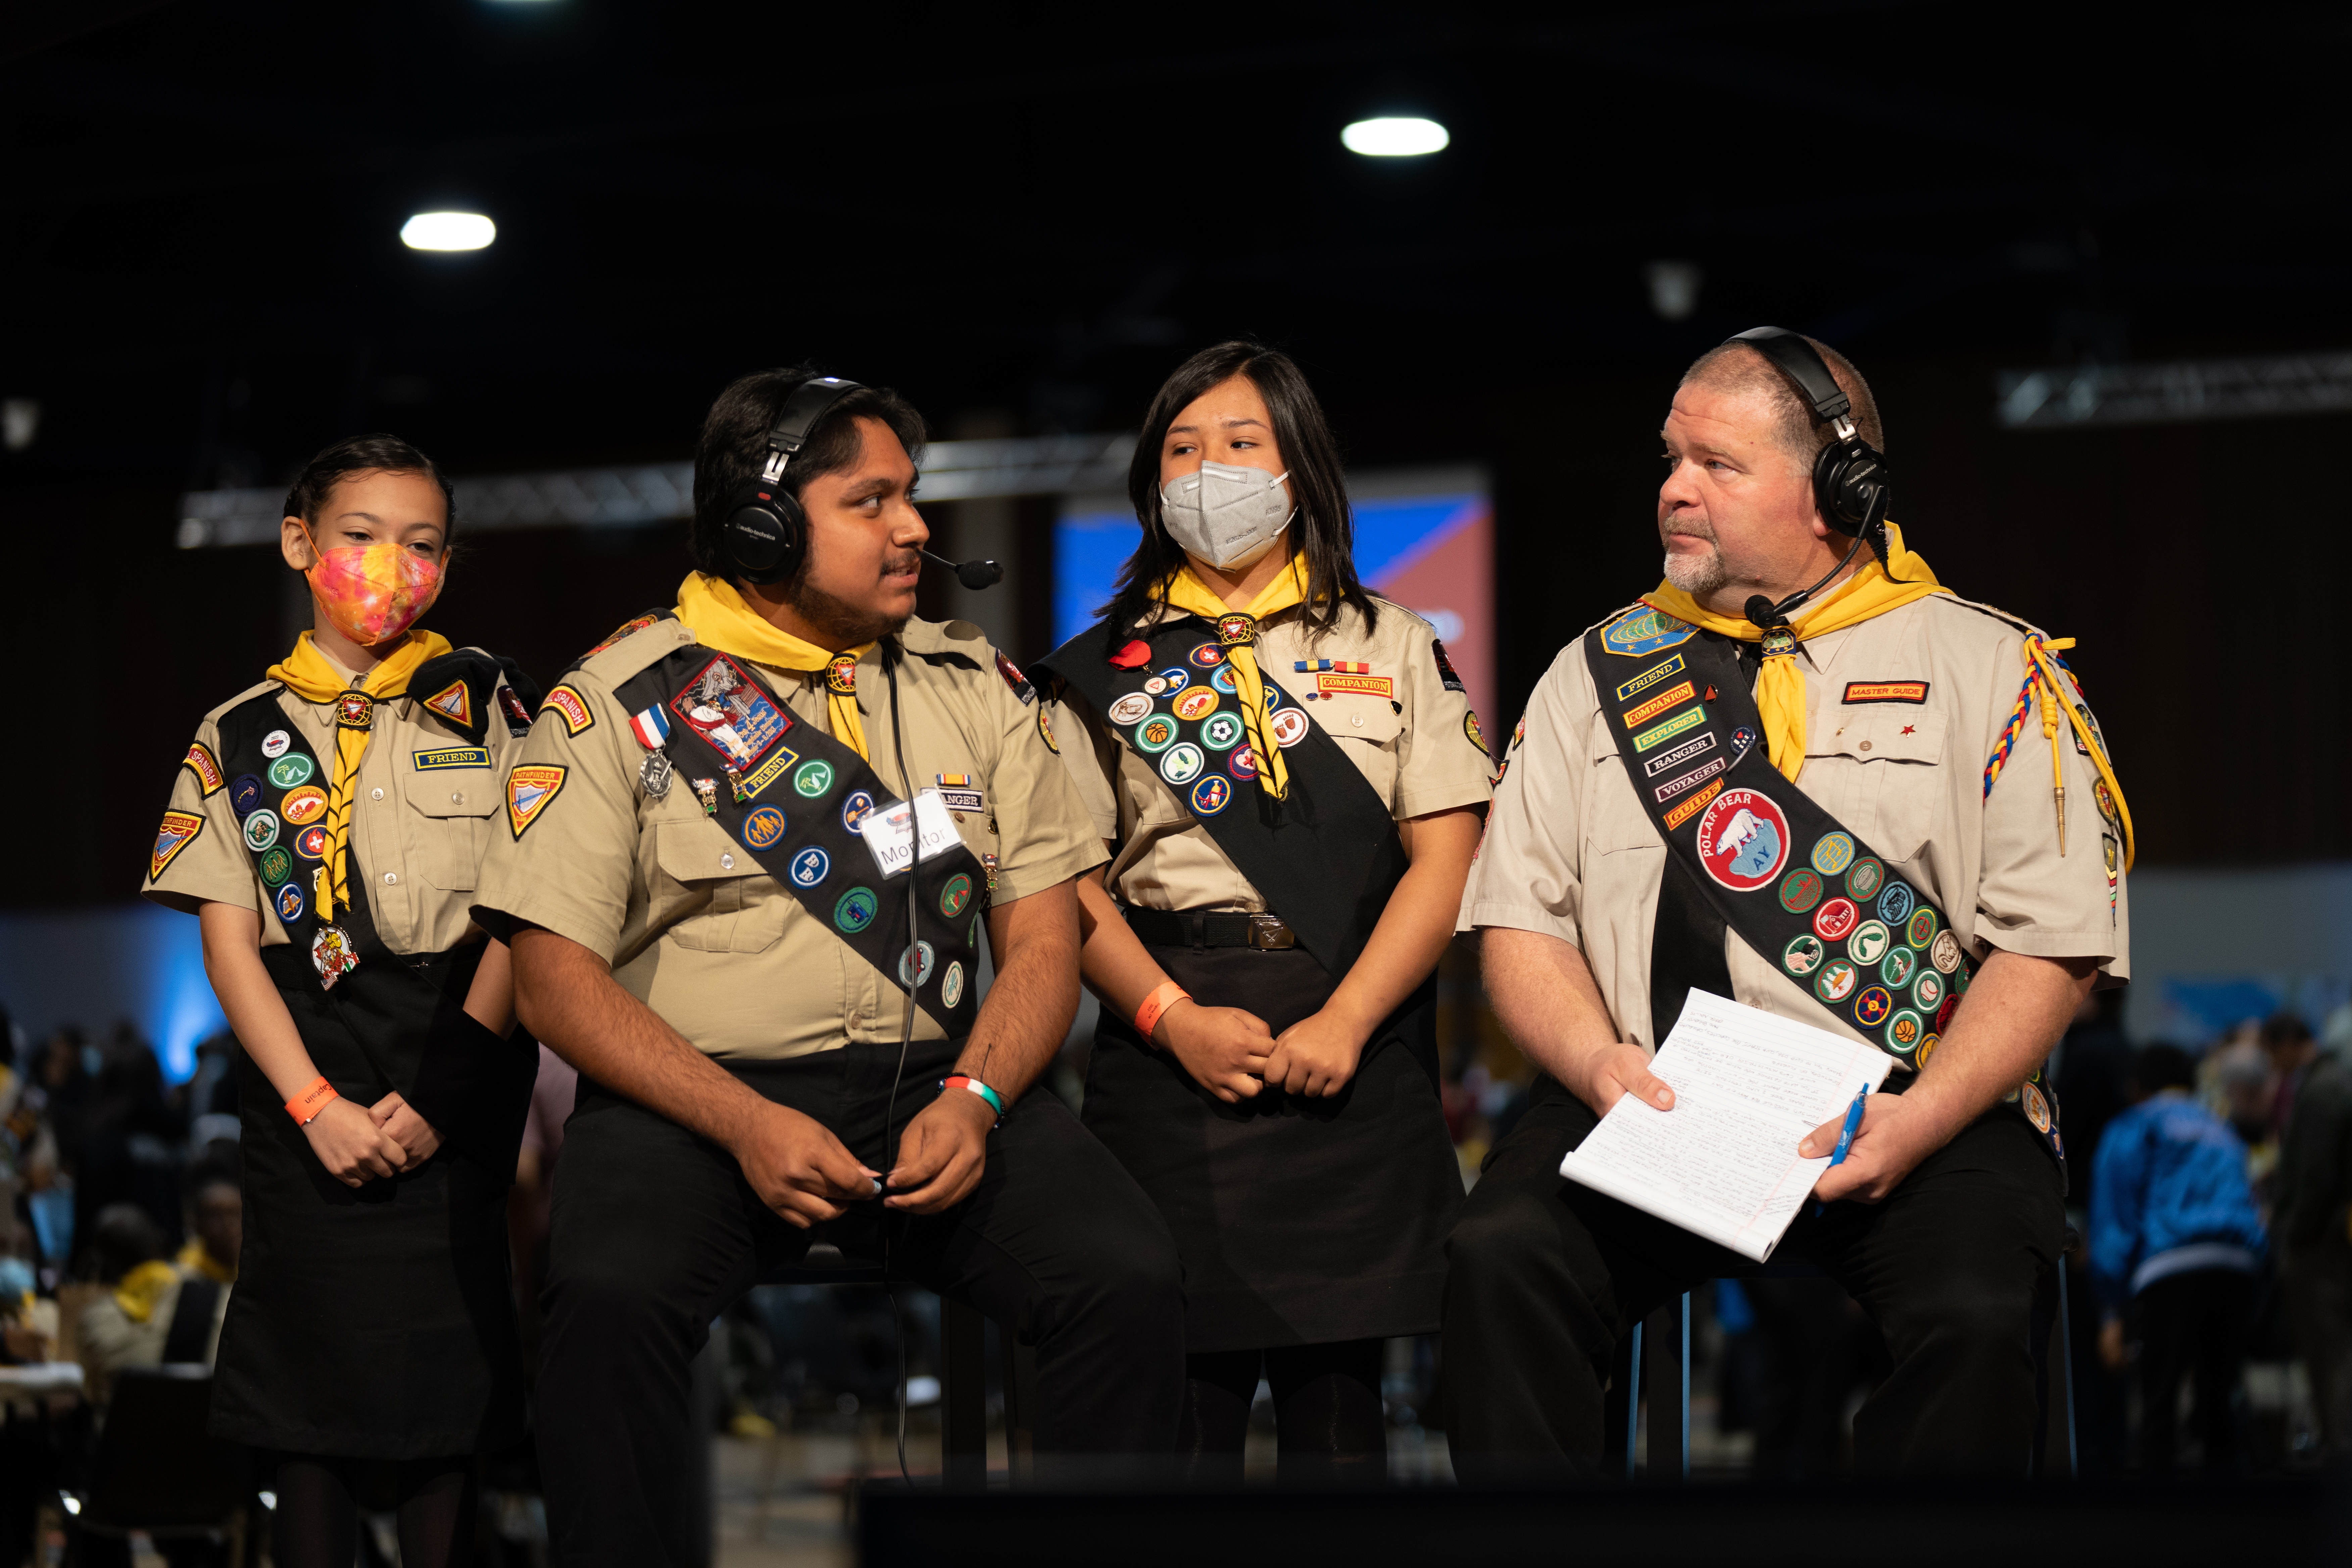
x: 2283, y: 1522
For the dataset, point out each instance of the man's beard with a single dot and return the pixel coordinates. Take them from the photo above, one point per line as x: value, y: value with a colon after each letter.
x: 1697, y: 575
x: 843, y: 625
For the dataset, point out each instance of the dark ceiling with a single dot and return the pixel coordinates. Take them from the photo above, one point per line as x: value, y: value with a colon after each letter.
x: 1035, y: 213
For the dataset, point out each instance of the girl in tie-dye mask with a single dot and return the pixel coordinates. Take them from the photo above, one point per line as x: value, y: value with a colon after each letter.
x: 325, y: 828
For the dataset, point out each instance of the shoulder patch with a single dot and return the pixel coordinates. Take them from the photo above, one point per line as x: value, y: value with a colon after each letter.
x: 1477, y: 736
x: 1046, y: 733
x: 1015, y: 680
x: 611, y: 663
x: 453, y: 704
x: 571, y: 706
x: 1445, y: 674
x: 1644, y: 630
x: 200, y: 762
x: 179, y: 830
x: 529, y: 790
x: 627, y: 628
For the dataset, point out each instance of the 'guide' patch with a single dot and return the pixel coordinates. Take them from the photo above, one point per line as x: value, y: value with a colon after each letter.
x: 1885, y: 691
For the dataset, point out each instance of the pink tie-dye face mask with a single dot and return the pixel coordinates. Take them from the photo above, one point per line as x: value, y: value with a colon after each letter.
x: 373, y: 593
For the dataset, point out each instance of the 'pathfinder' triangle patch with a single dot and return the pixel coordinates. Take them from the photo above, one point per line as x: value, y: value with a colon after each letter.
x: 179, y: 830
x: 528, y: 789
x: 452, y: 703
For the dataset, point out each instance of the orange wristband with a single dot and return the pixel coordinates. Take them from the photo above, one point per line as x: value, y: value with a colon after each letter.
x: 304, y: 1106
x: 1147, y: 1017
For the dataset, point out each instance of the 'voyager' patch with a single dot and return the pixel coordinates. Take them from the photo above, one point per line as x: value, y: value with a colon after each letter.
x: 1885, y: 691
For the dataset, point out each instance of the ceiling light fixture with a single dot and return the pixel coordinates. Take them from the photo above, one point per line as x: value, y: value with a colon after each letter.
x: 1394, y: 138
x: 448, y: 231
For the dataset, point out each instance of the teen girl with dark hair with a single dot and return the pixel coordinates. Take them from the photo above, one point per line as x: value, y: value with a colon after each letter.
x: 325, y: 827
x: 1290, y: 782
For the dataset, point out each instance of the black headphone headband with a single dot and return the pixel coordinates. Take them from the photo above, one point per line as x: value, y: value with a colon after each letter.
x: 1797, y: 359
x: 765, y: 533
x: 798, y: 415
x: 1851, y: 482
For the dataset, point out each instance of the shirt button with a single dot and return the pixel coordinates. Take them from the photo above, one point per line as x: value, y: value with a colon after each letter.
x: 727, y: 862
x: 1865, y: 745
x: 390, y: 877
x: 375, y: 794
x: 1358, y: 721
x: 457, y: 797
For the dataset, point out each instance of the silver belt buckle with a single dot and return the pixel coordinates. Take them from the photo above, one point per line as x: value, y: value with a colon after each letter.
x: 1269, y: 934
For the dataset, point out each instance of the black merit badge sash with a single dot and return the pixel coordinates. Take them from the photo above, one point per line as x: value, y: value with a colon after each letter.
x: 1328, y: 856
x: 1792, y: 882
x: 277, y: 789
x: 795, y: 799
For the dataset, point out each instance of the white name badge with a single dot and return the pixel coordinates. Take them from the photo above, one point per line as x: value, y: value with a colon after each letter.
x: 892, y: 847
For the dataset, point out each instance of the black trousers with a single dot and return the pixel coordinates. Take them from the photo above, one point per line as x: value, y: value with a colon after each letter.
x: 1547, y: 1277
x: 654, y: 1232
x: 2191, y: 1325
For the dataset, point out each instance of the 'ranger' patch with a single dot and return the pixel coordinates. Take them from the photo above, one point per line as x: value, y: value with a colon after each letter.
x: 529, y: 788
x: 573, y: 706
x: 200, y: 763
x: 1885, y: 691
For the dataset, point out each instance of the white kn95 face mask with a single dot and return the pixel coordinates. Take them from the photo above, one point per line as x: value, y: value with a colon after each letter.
x: 1225, y: 515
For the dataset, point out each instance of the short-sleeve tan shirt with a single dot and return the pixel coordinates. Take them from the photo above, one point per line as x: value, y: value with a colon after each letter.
x: 691, y: 924
x: 1419, y: 748
x: 417, y: 833
x: 1569, y: 851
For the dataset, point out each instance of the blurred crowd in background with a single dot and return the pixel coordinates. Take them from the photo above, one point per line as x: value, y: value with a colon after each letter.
x: 2209, y: 1320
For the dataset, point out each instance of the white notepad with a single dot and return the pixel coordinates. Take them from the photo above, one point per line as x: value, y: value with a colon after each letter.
x: 1723, y: 1162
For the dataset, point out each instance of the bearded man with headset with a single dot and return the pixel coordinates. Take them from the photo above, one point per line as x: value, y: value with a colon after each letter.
x: 1801, y: 774
x: 723, y: 915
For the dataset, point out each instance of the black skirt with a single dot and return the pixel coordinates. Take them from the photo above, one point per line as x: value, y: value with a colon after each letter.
x: 377, y: 1321
x: 1301, y: 1220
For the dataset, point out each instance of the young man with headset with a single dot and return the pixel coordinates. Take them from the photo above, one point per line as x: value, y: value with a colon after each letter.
x: 1801, y: 774
x: 747, y: 855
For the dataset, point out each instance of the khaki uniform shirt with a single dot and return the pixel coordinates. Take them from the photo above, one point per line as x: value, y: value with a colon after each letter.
x: 1569, y: 851
x: 417, y: 835
x: 691, y: 924
x: 1416, y: 747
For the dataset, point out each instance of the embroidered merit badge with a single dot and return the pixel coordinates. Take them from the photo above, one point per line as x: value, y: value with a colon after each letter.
x: 1128, y: 709
x: 1156, y: 733
x: 260, y: 830
x: 304, y: 805
x: 311, y: 842
x: 1197, y: 703
x: 854, y: 909
x: 573, y: 706
x: 453, y: 703
x: 1863, y: 878
x: 1743, y: 838
x: 1872, y: 1006
x: 951, y: 985
x: 764, y: 828
x: 277, y: 866
x: 1832, y: 853
x: 955, y: 895
x: 1181, y: 763
x: 1289, y: 727
x: 1834, y: 921
x: 289, y: 903
x: 1904, y: 1031
x: 288, y: 772
x: 1869, y: 942
x: 1207, y: 656
x: 529, y: 788
x: 1801, y: 890
x: 1887, y: 691
x: 1944, y: 952
x: 814, y: 777
x: 810, y: 865
x: 1897, y: 968
x: 1222, y: 679
x: 275, y: 743
x: 1646, y: 630
x: 1674, y: 696
x: 1921, y: 931
x: 450, y: 757
x: 1803, y: 955
x: 1175, y: 678
x: 1210, y: 796
x: 1222, y: 731
x: 1894, y: 905
x: 1365, y: 685
x: 1836, y: 981
x: 200, y: 763
x: 244, y: 794
x: 1243, y: 764
x: 1693, y: 805
x: 855, y: 810
x: 179, y: 830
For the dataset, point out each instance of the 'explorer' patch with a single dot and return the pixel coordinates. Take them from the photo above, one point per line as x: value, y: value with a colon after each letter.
x: 573, y: 706
x: 450, y: 757
x: 529, y: 790
x: 1885, y: 691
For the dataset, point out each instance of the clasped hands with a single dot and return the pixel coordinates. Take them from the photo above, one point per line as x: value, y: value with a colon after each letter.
x: 801, y: 1170
x: 358, y: 1143
x: 1897, y: 1130
x: 1231, y: 1053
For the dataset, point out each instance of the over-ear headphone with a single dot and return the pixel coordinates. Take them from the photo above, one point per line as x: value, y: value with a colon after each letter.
x: 1849, y: 476
x: 766, y: 533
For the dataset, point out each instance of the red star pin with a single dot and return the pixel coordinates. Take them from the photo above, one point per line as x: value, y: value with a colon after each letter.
x: 1908, y: 728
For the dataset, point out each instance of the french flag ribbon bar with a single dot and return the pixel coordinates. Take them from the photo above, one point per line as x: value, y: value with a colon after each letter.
x: 651, y: 726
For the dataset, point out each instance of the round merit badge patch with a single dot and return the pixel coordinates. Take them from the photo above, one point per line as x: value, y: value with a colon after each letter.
x: 245, y: 793
x: 1897, y: 970
x: 915, y: 965
x: 952, y: 984
x: 304, y: 805
x: 1832, y: 853
x: 1177, y: 678
x: 855, y: 810
x: 764, y: 828
x: 1800, y: 890
x: 954, y: 897
x: 1181, y: 763
x: 1926, y: 1048
x: 1243, y: 764
x: 1872, y: 1006
x: 275, y: 744
x: 1207, y: 656
x: 809, y: 867
x: 1834, y: 921
x: 260, y: 830
x: 1944, y: 952
x: 1222, y: 678
x: 311, y: 842
x: 1929, y: 991
x: 1803, y: 955
x: 1904, y: 1031
x: 1197, y: 703
x: 1128, y: 709
x: 1922, y: 928
x: 813, y: 777
x: 2037, y: 1110
x: 1742, y: 839
x: 277, y: 866
x: 1869, y: 942
x: 1836, y: 981
x: 1212, y: 796
x: 288, y: 772
x: 1156, y: 686
x: 1289, y: 727
x: 1155, y: 734
x: 289, y: 903
x: 1894, y: 905
x: 853, y: 910
x: 1864, y: 878
x: 1222, y: 733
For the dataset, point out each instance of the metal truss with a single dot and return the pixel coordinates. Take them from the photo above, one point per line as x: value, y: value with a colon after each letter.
x: 2179, y: 392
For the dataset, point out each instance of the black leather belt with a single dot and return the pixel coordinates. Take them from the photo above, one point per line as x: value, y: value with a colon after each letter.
x: 1210, y: 928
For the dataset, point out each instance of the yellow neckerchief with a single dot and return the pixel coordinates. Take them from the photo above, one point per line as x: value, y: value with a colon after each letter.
x: 720, y: 618
x: 139, y: 1292
x: 1186, y: 592
x: 197, y: 1260
x: 314, y: 677
x: 1780, y: 687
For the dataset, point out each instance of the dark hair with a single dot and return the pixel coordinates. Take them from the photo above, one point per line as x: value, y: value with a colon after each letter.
x: 122, y: 1238
x: 2162, y: 1067
x: 1326, y: 530
x: 1742, y: 367
x: 2285, y: 1028
x: 733, y: 447
x: 362, y: 455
